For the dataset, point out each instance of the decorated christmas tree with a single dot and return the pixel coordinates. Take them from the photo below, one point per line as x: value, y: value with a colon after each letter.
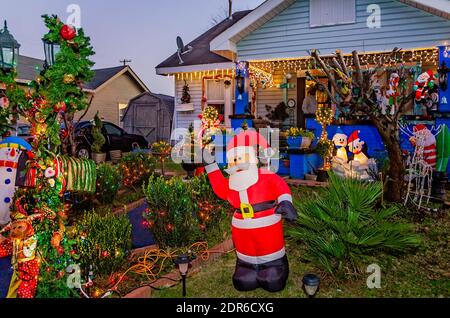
x: 53, y: 99
x: 185, y: 97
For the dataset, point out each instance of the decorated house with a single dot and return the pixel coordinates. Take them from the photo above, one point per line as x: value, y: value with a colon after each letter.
x: 277, y: 38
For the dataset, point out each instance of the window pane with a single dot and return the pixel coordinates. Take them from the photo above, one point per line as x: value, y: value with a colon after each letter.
x: 331, y: 12
x: 215, y: 90
x: 112, y: 130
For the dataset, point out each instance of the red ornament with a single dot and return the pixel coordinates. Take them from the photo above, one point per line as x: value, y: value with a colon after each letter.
x: 59, y: 107
x: 68, y: 32
x: 60, y: 250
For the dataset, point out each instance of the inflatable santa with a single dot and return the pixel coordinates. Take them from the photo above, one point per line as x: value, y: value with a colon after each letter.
x: 10, y: 150
x: 261, y: 199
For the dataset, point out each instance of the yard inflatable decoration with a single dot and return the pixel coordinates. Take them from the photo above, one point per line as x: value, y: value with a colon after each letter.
x: 21, y: 245
x: 67, y: 174
x: 393, y: 92
x: 11, y: 149
x: 340, y: 142
x: 443, y: 149
x: 426, y: 91
x: 261, y: 198
x: 424, y: 138
x: 359, y: 165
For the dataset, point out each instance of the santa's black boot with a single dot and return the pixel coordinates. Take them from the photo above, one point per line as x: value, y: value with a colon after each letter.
x: 272, y: 276
x: 244, y: 278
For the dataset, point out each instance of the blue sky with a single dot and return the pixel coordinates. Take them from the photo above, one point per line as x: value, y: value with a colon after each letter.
x: 141, y: 30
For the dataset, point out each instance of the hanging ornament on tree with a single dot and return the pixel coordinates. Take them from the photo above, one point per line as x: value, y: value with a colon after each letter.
x: 69, y: 78
x: 4, y: 102
x: 68, y: 32
x: 60, y: 107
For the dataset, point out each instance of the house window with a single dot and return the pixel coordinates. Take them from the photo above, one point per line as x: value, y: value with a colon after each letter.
x: 331, y: 12
x: 122, y: 109
x: 215, y: 95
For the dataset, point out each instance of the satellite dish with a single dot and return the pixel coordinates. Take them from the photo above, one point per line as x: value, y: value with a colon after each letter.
x: 182, y: 50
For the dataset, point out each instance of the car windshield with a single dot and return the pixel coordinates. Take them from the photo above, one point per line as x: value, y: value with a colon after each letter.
x: 23, y: 130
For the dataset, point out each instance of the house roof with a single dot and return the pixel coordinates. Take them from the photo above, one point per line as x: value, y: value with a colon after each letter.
x: 29, y: 68
x: 270, y: 8
x: 201, y: 53
x: 103, y: 75
x: 224, y: 36
x: 169, y: 101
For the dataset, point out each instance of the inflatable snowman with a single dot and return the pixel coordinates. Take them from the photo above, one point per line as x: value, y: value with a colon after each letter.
x: 10, y: 151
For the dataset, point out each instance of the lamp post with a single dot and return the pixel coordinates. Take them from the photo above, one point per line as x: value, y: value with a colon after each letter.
x: 183, y: 262
x: 311, y: 283
x: 9, y: 50
x: 51, y: 49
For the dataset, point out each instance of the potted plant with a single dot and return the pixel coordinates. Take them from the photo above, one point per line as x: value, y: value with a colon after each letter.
x: 299, y: 138
x: 260, y: 123
x: 277, y: 115
x: 99, y: 140
x: 189, y: 146
x: 325, y: 150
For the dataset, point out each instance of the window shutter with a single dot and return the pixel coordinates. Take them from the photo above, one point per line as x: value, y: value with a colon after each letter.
x: 331, y: 12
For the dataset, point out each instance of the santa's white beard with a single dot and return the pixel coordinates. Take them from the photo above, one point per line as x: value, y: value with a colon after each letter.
x: 242, y: 180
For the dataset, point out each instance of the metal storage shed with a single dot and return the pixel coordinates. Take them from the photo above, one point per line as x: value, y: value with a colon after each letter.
x: 150, y: 115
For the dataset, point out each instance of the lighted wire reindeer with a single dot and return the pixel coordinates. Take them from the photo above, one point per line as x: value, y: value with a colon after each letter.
x: 419, y: 166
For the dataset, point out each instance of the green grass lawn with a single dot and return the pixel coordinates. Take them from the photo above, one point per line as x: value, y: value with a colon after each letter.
x: 422, y: 273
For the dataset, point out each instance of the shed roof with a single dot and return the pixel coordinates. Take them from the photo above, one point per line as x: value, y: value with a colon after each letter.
x: 169, y: 101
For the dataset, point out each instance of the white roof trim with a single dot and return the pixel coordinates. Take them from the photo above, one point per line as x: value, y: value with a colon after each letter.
x: 441, y: 8
x: 194, y: 68
x: 227, y: 40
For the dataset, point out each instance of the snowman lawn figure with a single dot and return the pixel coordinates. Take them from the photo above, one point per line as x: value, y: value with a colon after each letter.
x: 10, y: 151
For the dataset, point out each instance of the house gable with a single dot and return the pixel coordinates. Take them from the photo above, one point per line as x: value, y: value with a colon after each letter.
x: 289, y: 33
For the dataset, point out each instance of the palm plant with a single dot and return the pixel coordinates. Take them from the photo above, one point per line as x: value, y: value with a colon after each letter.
x: 344, y: 226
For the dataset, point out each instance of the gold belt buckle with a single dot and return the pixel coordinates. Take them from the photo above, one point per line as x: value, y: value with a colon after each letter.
x: 247, y: 211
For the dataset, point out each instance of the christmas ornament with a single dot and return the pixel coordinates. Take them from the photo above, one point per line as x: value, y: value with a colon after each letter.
x: 68, y: 32
x: 60, y: 107
x: 56, y: 240
x: 4, y: 102
x: 69, y: 78
x: 261, y: 198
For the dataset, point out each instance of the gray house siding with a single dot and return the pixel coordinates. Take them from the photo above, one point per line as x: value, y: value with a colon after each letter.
x: 289, y: 34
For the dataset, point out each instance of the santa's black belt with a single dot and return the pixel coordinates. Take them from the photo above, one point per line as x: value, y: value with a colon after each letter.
x: 259, y: 207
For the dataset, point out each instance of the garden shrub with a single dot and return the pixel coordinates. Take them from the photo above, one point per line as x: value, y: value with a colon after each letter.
x: 108, y: 183
x: 346, y: 225
x: 136, y: 168
x: 171, y: 214
x: 103, y: 242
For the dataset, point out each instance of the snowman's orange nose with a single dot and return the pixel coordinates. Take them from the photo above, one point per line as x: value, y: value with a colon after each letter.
x: 13, y: 152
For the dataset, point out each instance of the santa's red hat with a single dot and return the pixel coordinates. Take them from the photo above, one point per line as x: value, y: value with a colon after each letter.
x: 246, y: 143
x: 419, y: 127
x: 354, y: 136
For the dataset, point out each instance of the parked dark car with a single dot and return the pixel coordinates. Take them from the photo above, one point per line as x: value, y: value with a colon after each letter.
x: 23, y: 131
x: 116, y: 139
